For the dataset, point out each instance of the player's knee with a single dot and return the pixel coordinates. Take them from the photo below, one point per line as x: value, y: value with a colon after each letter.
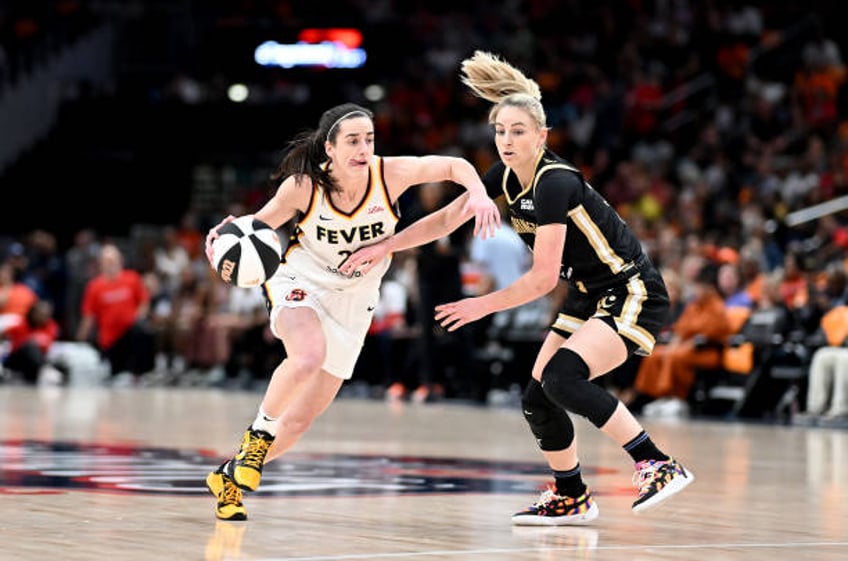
x: 305, y: 363
x: 534, y: 401
x: 549, y: 423
x: 565, y: 380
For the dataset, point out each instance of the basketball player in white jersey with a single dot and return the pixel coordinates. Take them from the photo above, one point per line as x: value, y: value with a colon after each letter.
x: 342, y: 197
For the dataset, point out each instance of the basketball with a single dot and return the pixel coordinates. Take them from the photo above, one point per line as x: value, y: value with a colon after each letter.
x: 247, y: 252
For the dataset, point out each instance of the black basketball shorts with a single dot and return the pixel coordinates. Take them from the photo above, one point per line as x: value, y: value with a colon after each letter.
x: 636, y: 308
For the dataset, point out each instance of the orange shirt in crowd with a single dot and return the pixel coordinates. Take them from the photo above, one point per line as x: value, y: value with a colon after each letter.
x: 705, y: 317
x: 17, y: 298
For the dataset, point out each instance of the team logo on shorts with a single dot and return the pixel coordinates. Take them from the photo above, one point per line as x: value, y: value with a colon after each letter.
x: 296, y: 295
x: 607, y: 302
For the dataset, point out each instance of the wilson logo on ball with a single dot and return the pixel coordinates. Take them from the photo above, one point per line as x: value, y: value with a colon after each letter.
x: 227, y: 268
x: 247, y: 252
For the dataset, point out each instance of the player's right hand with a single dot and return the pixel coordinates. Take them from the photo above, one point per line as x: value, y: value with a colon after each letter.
x: 212, y: 236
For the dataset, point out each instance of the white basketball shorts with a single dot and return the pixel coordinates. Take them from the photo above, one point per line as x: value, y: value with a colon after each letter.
x: 345, y: 315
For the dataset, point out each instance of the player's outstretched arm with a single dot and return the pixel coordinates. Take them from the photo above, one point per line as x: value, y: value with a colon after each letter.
x: 404, y: 171
x: 422, y: 231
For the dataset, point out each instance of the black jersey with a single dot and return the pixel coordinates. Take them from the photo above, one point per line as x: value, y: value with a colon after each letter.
x: 600, y: 249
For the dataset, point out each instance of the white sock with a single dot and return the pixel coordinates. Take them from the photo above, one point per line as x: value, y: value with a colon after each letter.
x: 265, y: 422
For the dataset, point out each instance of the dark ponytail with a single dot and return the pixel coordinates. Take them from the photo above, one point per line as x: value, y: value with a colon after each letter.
x: 305, y: 154
x: 303, y: 157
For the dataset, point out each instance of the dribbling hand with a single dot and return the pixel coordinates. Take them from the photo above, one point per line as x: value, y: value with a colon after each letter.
x: 212, y: 236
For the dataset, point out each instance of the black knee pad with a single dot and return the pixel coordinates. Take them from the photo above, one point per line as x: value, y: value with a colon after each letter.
x: 550, y: 423
x: 565, y: 380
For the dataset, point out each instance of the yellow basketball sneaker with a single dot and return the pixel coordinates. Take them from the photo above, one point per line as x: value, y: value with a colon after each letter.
x: 245, y: 468
x: 229, y: 505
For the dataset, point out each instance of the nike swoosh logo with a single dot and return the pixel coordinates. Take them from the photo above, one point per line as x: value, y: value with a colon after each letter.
x: 370, y: 308
x: 322, y: 217
x: 526, y: 412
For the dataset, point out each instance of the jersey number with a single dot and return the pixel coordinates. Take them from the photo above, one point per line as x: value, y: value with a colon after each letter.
x: 345, y: 253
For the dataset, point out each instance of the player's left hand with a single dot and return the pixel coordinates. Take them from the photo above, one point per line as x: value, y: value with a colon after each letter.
x: 365, y: 258
x: 454, y: 315
x: 487, y: 217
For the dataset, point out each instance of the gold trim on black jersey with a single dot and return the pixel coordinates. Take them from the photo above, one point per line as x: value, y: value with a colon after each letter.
x: 522, y: 226
x: 596, y: 239
x: 550, y: 167
x: 524, y: 190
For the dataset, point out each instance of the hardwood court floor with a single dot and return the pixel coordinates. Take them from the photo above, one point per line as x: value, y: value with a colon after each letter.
x: 90, y: 474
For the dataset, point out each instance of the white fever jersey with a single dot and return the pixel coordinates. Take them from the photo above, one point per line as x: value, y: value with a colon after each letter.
x: 325, y: 235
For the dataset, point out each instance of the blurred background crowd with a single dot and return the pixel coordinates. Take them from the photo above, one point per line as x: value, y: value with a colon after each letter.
x: 718, y: 129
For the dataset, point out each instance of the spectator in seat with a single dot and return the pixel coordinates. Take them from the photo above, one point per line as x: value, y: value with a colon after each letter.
x: 669, y: 371
x: 30, y: 340
x: 115, y: 305
x: 827, y: 390
x: 729, y: 283
x: 16, y: 298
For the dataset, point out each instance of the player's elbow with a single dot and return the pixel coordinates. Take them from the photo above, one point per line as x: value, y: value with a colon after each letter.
x: 458, y: 166
x: 543, y: 281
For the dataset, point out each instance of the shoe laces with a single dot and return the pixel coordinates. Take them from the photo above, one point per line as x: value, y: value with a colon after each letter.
x: 257, y: 448
x: 548, y: 496
x: 646, y: 474
x: 231, y: 493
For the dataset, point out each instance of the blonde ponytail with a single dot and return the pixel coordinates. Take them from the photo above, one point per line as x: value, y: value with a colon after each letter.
x: 493, y: 79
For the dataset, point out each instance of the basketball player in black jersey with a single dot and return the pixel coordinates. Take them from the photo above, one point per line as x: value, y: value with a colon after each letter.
x: 615, y: 306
